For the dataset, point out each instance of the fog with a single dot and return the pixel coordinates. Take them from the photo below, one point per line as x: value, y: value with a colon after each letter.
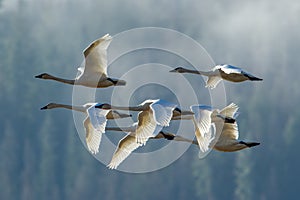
x: 42, y: 155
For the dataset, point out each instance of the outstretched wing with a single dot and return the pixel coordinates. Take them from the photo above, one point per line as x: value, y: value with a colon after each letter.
x: 230, y: 111
x: 229, y: 130
x: 212, y: 81
x: 162, y: 111
x: 202, y: 123
x: 229, y: 69
x: 126, y: 145
x: 93, y: 137
x: 202, y: 117
x: 147, y: 127
x: 98, y: 118
x: 96, y: 57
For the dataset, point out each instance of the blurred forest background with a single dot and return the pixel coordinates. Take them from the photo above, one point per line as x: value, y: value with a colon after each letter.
x: 41, y: 154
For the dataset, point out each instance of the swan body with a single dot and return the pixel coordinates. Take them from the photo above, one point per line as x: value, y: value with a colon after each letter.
x: 94, y: 123
x: 219, y: 72
x: 94, y: 71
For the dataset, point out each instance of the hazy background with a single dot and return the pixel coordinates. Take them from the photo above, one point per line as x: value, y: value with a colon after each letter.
x: 41, y: 154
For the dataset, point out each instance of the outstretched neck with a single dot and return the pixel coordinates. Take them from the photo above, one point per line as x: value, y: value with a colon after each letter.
x: 131, y: 108
x: 76, y: 108
x: 123, y: 129
x: 62, y: 80
x: 196, y: 72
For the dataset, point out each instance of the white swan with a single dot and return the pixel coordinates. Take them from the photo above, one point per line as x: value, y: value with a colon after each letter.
x: 94, y: 71
x: 94, y: 123
x: 219, y: 72
x: 153, y: 116
x: 225, y: 124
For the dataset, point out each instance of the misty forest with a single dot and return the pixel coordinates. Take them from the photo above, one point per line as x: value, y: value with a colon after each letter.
x: 42, y: 156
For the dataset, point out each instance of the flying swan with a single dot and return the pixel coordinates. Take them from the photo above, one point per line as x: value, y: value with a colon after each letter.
x: 94, y: 123
x: 225, y: 124
x: 94, y: 71
x: 219, y: 72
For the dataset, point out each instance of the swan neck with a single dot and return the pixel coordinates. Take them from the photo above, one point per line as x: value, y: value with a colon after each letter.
x: 123, y: 129
x: 62, y: 80
x: 197, y: 72
x: 76, y: 108
x: 130, y: 108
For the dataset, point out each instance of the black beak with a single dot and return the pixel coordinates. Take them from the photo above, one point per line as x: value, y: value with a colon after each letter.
x: 39, y: 76
x: 44, y: 108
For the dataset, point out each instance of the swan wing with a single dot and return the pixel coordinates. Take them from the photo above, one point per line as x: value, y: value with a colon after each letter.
x: 202, y: 117
x: 229, y: 69
x: 125, y: 147
x: 162, y: 112
x: 212, y: 81
x: 96, y: 57
x: 98, y: 118
x: 93, y: 137
x: 230, y: 131
x: 202, y: 123
x: 147, y: 127
x: 230, y: 111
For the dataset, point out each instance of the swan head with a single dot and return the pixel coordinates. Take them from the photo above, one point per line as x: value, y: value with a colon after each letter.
x: 178, y: 70
x: 49, y: 106
x: 43, y: 76
x: 104, y: 106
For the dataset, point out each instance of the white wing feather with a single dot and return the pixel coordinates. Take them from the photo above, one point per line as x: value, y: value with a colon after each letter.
x: 98, y: 118
x: 212, y: 81
x: 229, y: 69
x: 125, y: 147
x: 202, y: 123
x: 95, y: 125
x: 162, y: 112
x: 93, y: 137
x: 230, y: 111
x: 96, y: 58
x: 202, y: 116
x: 146, y: 127
x: 229, y: 131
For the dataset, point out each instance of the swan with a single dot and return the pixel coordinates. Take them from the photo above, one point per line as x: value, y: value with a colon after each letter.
x: 224, y: 123
x: 94, y: 71
x: 128, y: 143
x: 153, y: 116
x: 94, y: 123
x: 219, y: 72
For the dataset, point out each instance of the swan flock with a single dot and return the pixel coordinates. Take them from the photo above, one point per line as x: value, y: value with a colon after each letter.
x: 214, y: 129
